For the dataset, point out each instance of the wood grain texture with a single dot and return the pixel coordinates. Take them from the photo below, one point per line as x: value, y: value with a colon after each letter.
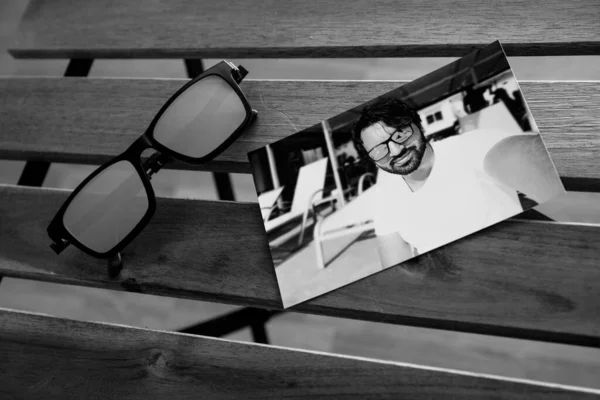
x: 54, y: 358
x: 315, y: 28
x: 540, y: 361
x: 91, y: 120
x: 519, y: 279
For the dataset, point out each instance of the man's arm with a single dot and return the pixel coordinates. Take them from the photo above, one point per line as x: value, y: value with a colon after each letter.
x: 522, y: 163
x: 393, y: 249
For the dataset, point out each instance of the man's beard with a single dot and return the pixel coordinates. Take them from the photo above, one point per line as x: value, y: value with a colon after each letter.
x: 418, y: 151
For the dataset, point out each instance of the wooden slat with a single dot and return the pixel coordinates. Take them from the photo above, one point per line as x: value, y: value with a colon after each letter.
x: 520, y: 279
x: 314, y: 28
x: 54, y: 358
x: 91, y: 120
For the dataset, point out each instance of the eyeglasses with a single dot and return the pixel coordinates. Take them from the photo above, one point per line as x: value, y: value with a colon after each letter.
x: 113, y: 204
x: 382, y: 150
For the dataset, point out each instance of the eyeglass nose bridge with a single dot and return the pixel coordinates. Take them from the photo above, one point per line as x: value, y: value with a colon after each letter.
x: 152, y: 164
x: 394, y: 148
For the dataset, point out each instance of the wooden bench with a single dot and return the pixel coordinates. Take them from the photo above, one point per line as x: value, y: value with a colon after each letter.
x: 520, y: 279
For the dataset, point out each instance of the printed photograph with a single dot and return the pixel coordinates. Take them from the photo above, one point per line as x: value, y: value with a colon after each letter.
x: 403, y: 174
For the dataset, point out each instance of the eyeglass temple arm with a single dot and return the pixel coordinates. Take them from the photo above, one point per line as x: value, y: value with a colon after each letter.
x: 114, y: 262
x: 114, y: 265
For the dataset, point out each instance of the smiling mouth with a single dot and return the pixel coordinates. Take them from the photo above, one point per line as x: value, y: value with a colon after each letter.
x: 401, y: 161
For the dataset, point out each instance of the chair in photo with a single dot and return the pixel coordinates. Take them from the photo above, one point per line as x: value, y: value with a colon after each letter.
x: 308, y: 191
x: 354, y: 218
x: 520, y: 280
x: 267, y: 201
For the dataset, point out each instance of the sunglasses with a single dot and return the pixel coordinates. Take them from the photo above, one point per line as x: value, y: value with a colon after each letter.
x: 114, y: 203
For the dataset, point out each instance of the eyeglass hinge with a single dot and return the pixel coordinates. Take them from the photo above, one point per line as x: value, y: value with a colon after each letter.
x: 239, y: 73
x: 59, y: 246
x: 155, y: 163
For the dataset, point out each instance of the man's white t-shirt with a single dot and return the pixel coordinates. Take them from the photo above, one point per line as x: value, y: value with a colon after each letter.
x: 457, y: 199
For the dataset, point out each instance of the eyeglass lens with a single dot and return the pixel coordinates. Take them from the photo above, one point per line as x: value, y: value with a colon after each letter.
x: 201, y: 118
x: 108, y: 207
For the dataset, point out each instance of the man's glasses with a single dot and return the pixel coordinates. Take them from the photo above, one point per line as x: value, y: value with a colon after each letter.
x: 382, y: 150
x: 112, y: 205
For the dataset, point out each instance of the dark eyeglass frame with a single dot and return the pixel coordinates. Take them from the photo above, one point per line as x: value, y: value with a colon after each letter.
x: 57, y: 231
x: 391, y: 139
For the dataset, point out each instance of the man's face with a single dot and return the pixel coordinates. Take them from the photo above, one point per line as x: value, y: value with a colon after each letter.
x: 402, y: 158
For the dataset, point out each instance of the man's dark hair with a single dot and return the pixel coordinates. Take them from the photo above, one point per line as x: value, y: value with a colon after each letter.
x: 392, y: 112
